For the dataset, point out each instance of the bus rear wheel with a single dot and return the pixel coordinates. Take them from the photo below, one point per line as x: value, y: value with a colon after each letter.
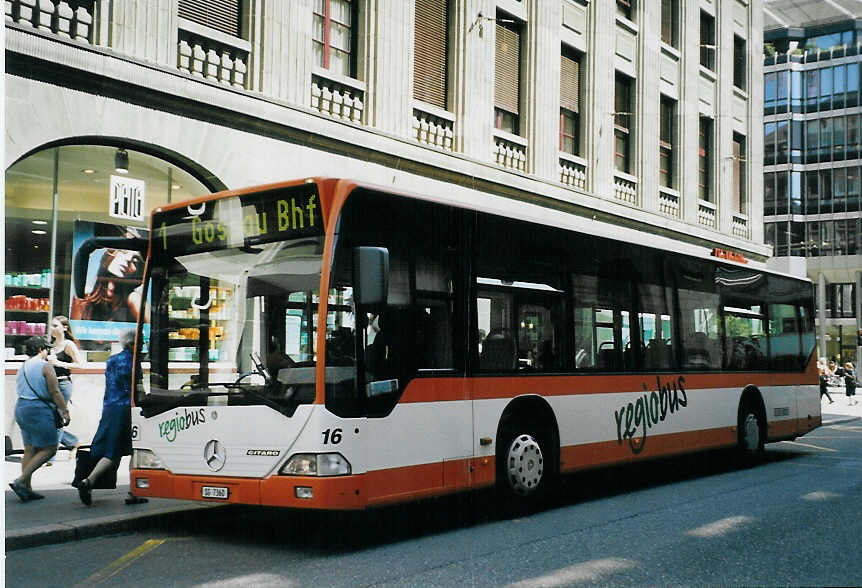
x: 525, y: 465
x: 751, y: 433
x: 523, y: 470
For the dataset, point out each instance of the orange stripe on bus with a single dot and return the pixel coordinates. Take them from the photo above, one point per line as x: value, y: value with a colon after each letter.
x: 575, y: 457
x: 486, y: 388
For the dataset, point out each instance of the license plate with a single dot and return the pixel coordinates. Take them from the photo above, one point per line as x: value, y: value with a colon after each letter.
x: 214, y: 492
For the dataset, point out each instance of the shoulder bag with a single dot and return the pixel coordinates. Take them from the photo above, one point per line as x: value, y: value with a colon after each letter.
x: 58, y: 419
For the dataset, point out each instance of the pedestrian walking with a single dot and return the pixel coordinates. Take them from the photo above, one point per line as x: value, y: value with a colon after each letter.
x: 113, y: 438
x: 824, y: 379
x: 64, y: 356
x: 38, y: 398
x: 850, y: 383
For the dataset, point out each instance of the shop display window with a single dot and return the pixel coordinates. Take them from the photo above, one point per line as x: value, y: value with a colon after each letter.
x: 48, y: 195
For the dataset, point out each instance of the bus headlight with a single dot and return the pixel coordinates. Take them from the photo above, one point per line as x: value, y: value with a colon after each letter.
x: 316, y: 464
x: 144, y: 459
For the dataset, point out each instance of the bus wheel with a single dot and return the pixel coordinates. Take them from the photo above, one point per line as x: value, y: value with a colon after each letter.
x: 522, y: 471
x: 525, y: 465
x: 752, y: 433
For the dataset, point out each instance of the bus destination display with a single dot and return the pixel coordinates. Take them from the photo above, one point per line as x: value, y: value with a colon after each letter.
x: 242, y: 221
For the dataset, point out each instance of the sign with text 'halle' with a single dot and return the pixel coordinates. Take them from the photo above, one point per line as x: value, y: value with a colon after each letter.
x: 127, y: 198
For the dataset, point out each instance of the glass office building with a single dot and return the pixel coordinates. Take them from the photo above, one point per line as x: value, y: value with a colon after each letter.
x: 813, y: 157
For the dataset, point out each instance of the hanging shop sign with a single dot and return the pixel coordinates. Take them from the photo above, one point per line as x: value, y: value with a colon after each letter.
x: 128, y: 197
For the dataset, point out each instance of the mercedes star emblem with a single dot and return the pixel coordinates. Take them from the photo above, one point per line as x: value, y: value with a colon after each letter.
x: 214, y: 455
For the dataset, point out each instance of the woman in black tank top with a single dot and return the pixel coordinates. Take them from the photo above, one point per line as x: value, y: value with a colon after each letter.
x: 64, y: 356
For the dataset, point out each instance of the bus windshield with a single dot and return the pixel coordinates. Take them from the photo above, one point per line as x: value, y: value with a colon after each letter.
x: 233, y: 287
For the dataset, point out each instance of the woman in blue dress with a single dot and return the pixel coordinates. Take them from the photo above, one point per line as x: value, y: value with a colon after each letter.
x: 113, y: 438
x: 38, y: 392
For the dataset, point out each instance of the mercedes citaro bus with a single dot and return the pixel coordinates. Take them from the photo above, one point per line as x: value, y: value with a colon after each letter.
x: 329, y: 344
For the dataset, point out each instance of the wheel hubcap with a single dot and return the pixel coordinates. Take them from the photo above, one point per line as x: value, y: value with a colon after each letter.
x: 751, y: 433
x: 525, y: 464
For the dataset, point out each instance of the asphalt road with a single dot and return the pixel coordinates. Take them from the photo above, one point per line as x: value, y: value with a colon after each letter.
x: 794, y: 520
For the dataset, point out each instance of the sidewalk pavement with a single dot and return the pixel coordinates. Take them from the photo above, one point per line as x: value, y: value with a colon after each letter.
x: 61, y: 517
x: 839, y: 411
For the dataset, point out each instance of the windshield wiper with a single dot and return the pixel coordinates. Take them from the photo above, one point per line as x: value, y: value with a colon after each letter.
x: 252, y: 393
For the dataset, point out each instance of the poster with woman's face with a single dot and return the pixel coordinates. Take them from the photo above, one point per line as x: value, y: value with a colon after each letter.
x: 112, y: 292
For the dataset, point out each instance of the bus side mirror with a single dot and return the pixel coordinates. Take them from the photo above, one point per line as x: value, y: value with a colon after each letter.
x: 370, y: 275
x: 82, y: 256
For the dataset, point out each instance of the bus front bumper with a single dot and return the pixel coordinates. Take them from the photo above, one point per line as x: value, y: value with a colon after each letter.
x: 329, y: 493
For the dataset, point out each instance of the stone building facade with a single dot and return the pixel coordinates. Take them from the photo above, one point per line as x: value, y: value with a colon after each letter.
x: 645, y: 114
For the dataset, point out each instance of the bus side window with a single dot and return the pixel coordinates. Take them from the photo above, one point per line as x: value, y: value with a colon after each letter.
x: 784, y: 336
x: 497, y: 350
x: 538, y: 327
x: 433, y: 334
x: 603, y: 323
x: 745, y: 337
x: 699, y: 329
x: 654, y: 322
x: 791, y: 324
x: 434, y: 303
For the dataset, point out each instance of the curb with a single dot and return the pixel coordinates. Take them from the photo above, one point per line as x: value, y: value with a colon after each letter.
x: 840, y: 421
x: 89, y: 528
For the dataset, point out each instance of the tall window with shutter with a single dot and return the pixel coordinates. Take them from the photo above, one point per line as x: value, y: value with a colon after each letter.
x: 334, y: 36
x: 507, y: 75
x: 221, y: 15
x: 704, y: 176
x: 430, y: 54
x: 708, y: 49
x: 623, y: 109
x: 739, y: 193
x: 570, y: 102
x: 666, y: 140
x: 739, y: 57
x: 670, y: 22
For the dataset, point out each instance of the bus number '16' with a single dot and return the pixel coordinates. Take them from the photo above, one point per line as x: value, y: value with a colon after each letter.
x: 333, y: 435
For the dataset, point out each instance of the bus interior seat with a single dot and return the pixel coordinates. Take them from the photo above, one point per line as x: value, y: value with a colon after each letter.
x: 658, y: 354
x: 546, y: 359
x: 698, y: 351
x: 498, y: 352
x: 608, y: 357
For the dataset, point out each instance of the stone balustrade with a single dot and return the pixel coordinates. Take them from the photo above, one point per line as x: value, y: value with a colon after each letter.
x: 337, y: 100
x: 741, y: 227
x: 706, y: 214
x: 573, y: 172
x: 510, y: 154
x: 211, y: 59
x: 72, y: 19
x: 432, y: 129
x: 626, y: 189
x: 668, y: 203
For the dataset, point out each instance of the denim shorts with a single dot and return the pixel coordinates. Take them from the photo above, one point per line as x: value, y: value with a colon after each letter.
x: 36, y: 420
x: 65, y: 389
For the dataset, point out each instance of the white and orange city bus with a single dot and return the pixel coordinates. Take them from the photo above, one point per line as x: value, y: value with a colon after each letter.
x: 329, y: 344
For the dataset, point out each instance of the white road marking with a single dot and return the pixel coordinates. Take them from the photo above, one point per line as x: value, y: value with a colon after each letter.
x: 811, y: 446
